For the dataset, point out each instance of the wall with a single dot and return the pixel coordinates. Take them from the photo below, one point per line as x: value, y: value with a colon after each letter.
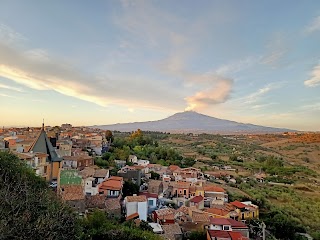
x: 131, y: 208
x: 143, y: 210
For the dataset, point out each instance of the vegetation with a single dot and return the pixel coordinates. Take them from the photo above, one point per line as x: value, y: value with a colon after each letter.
x: 28, y: 208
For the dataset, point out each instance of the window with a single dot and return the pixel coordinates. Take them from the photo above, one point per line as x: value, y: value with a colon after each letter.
x: 185, y: 192
x: 150, y: 202
x: 226, y: 228
x: 253, y: 214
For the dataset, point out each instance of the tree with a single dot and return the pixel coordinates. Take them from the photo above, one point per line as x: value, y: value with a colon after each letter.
x: 155, y: 175
x: 109, y: 136
x: 129, y: 188
x: 28, y: 208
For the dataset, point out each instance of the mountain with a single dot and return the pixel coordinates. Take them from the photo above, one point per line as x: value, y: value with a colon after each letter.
x: 192, y: 122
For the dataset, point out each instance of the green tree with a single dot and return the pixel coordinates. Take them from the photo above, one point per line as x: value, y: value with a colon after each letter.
x: 155, y: 175
x: 129, y: 188
x: 28, y: 208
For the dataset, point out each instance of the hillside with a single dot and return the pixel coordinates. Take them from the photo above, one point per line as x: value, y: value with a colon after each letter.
x: 192, y: 122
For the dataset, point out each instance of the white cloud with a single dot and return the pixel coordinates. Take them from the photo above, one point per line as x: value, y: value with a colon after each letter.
x: 315, y: 77
x: 10, y: 88
x: 32, y: 69
x: 313, y: 26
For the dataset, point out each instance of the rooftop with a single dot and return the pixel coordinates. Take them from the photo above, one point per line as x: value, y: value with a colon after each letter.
x: 72, y: 192
x: 140, y: 198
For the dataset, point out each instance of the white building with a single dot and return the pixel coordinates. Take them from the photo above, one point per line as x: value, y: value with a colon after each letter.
x: 90, y: 187
x: 136, y: 205
x: 143, y: 162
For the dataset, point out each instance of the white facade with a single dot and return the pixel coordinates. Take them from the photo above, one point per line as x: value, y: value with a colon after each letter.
x: 137, y: 207
x: 90, y: 188
x: 143, y: 162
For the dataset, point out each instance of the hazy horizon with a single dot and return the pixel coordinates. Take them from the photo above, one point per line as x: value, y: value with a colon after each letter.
x: 133, y: 61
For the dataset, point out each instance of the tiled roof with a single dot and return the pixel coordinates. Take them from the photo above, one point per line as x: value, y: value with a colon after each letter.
x: 110, y: 184
x: 140, y: 198
x: 132, y: 216
x: 217, y: 211
x: 226, y: 234
x: 181, y: 185
x: 112, y: 204
x: 148, y: 195
x: 200, y: 216
x: 77, y: 158
x: 213, y: 188
x: 238, y: 204
x: 173, y: 167
x: 100, y: 173
x: 96, y: 201
x: 166, y: 213
x: 72, y: 192
x: 154, y: 183
x: 196, y: 199
x: 116, y: 178
x: 219, y: 221
x: 183, y: 209
x: 237, y: 224
x: 170, y: 231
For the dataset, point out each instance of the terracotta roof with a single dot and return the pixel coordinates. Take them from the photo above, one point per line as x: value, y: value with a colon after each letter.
x: 100, y: 173
x: 140, y: 198
x: 95, y: 201
x: 226, y: 234
x: 219, y: 221
x: 181, y: 185
x: 213, y: 188
x: 132, y: 216
x: 200, y: 216
x: 217, y: 211
x: 170, y: 231
x: 111, y: 184
x: 183, y: 209
x: 148, y: 195
x: 237, y: 224
x: 196, y: 199
x: 112, y: 204
x: 173, y: 167
x: 116, y: 178
x: 166, y: 213
x: 154, y: 183
x: 72, y: 192
x: 238, y: 204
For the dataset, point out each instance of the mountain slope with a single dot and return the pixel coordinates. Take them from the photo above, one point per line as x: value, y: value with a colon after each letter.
x: 190, y: 121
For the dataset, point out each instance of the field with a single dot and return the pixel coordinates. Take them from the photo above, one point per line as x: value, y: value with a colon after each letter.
x: 291, y: 162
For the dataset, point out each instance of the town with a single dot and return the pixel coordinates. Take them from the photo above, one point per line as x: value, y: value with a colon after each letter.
x: 174, y: 201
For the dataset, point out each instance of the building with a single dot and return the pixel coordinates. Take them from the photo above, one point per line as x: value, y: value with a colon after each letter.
x: 42, y: 144
x: 130, y: 174
x: 136, y: 205
x: 172, y: 232
x: 111, y: 187
x: 155, y: 186
x: 164, y: 216
x: 197, y: 202
x: 214, y: 195
x: 228, y: 224
x: 247, y: 209
x: 77, y: 162
x: 224, y: 235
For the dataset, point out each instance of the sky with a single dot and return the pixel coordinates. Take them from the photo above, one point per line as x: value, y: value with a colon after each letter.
x: 104, y: 62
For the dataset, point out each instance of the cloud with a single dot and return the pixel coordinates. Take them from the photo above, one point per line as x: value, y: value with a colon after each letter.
x: 219, y: 93
x: 314, y: 81
x: 8, y: 35
x: 10, y: 88
x: 37, y: 70
x: 313, y: 26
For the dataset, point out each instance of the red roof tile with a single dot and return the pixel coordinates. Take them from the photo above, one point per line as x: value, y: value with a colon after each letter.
x: 213, y: 188
x: 238, y: 204
x: 219, y: 221
x: 196, y: 199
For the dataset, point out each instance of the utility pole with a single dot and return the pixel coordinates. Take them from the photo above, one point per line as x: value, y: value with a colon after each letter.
x: 263, y: 226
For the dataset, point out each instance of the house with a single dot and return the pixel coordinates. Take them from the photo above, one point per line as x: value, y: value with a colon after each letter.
x: 172, y: 232
x: 164, y: 216
x: 38, y: 162
x: 166, y: 178
x: 136, y: 205
x: 197, y: 202
x: 130, y: 174
x: 73, y: 196
x: 90, y: 186
x: 77, y: 162
x: 113, y: 207
x: 247, y: 209
x: 101, y: 174
x: 214, y: 195
x: 133, y: 159
x: 64, y: 148
x: 198, y: 216
x: 144, y: 163
x: 152, y: 200
x: 228, y: 224
x: 42, y: 144
x: 71, y: 189
x: 181, y: 189
x: 155, y: 186
x: 224, y: 235
x: 95, y: 201
x: 111, y: 187
x: 226, y: 210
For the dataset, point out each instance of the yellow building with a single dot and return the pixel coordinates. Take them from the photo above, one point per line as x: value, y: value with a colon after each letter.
x: 247, y: 210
